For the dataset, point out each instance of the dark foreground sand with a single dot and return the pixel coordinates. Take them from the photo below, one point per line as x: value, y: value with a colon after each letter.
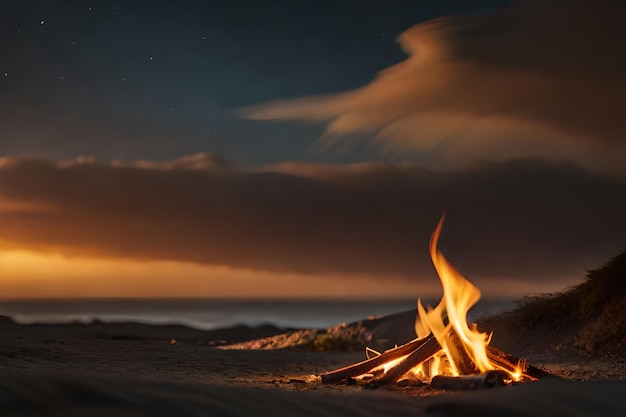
x: 131, y: 370
x: 31, y: 394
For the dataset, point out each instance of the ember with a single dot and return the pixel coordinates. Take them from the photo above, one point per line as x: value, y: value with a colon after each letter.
x: 447, y: 353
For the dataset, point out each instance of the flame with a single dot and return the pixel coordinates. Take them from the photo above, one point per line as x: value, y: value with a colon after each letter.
x: 383, y: 368
x: 463, y: 348
x: 388, y: 365
x: 448, y: 320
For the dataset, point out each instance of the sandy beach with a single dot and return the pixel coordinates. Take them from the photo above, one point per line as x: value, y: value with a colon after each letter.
x: 235, y: 208
x: 130, y: 369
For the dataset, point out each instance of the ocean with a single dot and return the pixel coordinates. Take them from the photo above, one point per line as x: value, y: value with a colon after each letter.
x: 210, y: 314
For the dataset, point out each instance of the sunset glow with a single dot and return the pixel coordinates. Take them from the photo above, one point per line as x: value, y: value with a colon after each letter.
x: 34, y: 275
x: 25, y: 274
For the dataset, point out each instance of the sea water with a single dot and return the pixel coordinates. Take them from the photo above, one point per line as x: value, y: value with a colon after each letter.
x: 218, y: 313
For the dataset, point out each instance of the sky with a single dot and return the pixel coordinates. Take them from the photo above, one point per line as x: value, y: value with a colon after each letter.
x: 283, y: 149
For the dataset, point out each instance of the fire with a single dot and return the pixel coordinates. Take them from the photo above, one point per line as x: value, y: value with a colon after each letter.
x: 388, y: 365
x: 464, y: 347
x: 448, y: 352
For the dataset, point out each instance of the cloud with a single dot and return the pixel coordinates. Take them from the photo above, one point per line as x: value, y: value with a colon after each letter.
x: 198, y: 161
x: 539, y: 78
x: 524, y: 219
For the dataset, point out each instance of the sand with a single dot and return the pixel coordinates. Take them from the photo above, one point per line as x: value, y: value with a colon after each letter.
x: 130, y: 370
x: 30, y: 394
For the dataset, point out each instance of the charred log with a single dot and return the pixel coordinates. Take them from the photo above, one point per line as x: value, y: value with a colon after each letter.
x: 365, y: 366
x: 514, y: 364
x: 429, y: 348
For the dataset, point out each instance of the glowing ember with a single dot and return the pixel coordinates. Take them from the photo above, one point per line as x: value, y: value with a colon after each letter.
x: 388, y: 365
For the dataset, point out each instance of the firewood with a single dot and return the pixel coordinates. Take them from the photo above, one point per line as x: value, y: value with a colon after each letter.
x: 369, y: 364
x: 457, y: 351
x: 512, y: 363
x: 420, y: 350
x: 468, y: 382
x: 429, y: 348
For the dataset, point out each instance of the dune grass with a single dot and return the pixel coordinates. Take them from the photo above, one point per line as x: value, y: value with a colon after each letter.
x: 596, y: 309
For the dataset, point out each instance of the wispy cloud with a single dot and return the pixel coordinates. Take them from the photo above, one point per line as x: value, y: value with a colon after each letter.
x: 540, y: 78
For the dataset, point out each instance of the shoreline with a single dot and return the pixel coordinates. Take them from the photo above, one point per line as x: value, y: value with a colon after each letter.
x: 214, y: 314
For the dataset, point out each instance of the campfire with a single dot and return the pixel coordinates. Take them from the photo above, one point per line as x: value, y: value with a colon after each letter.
x: 448, y: 353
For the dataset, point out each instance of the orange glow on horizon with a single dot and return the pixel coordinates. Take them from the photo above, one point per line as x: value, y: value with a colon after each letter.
x: 30, y: 274
x: 25, y: 274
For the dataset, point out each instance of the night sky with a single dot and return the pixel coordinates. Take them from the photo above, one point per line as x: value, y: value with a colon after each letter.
x: 308, y: 148
x: 161, y: 79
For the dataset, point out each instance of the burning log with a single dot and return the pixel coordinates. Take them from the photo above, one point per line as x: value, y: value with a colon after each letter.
x: 515, y: 365
x: 364, y: 367
x: 368, y: 372
x: 418, y: 351
x: 456, y: 350
x: 418, y: 356
x: 468, y: 382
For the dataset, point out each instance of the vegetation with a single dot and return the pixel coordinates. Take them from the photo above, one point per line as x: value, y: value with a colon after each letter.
x: 589, y: 317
